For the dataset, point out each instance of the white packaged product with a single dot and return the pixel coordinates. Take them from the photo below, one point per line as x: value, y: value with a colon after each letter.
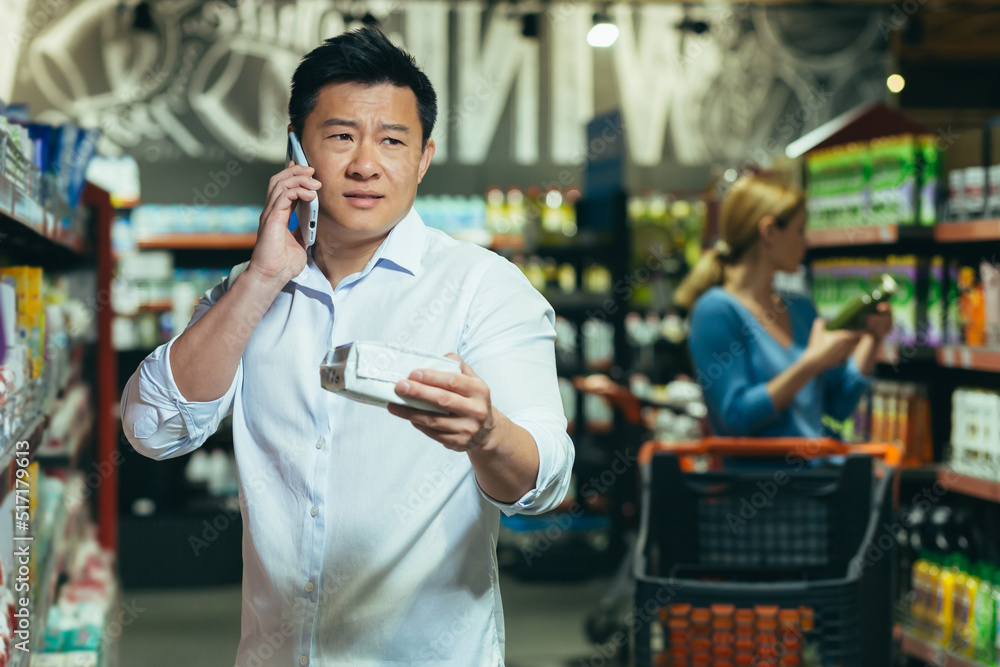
x: 956, y: 195
x: 368, y: 372
x: 960, y: 427
x: 993, y: 197
x: 975, y: 191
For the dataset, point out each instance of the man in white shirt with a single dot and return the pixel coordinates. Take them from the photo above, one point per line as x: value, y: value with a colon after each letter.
x: 369, y: 534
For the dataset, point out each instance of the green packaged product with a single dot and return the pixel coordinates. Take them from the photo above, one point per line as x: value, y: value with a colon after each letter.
x: 984, y: 617
x: 930, y: 172
x: 853, y: 315
x: 894, y: 180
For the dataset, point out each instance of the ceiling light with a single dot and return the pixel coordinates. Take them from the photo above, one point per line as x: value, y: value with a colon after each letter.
x: 604, y: 33
x: 895, y: 83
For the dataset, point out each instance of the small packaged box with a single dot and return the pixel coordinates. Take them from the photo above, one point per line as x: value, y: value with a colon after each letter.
x: 368, y: 372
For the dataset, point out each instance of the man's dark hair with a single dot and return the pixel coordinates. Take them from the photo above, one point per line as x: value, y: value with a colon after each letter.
x: 363, y: 56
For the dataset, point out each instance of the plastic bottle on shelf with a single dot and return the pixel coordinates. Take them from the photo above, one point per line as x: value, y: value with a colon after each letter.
x: 552, y: 217
x: 932, y: 625
x: 919, y: 587
x: 946, y: 599
x: 570, y: 199
x: 995, y: 656
x: 966, y: 587
x: 971, y: 307
x: 516, y: 211
x: 984, y: 615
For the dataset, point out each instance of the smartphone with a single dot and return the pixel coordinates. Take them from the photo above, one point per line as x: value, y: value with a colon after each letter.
x: 307, y: 212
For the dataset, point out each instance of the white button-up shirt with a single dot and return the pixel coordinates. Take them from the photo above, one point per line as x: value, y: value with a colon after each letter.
x: 366, y: 542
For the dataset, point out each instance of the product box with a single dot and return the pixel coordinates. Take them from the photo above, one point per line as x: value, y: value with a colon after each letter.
x: 993, y: 198
x: 960, y: 427
x: 953, y: 321
x: 894, y: 180
x: 30, y: 313
x: 956, y: 195
x: 930, y: 174
x: 989, y: 276
x: 368, y: 372
x: 975, y: 191
x: 934, y: 327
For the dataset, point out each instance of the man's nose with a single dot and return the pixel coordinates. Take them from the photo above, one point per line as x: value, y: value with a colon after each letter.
x: 364, y: 163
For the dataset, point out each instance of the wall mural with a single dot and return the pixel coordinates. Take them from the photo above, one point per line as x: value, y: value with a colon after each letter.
x: 209, y: 79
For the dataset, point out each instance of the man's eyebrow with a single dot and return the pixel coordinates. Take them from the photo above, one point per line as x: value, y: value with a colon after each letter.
x: 345, y: 122
x: 394, y: 127
x: 340, y: 121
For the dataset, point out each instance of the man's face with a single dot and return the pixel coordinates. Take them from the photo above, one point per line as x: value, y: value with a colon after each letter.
x: 365, y: 144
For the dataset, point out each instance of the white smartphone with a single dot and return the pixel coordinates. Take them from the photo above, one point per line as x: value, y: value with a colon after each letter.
x: 307, y: 212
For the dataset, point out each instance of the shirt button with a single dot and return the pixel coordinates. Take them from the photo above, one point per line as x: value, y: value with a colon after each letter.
x: 314, y: 511
x: 309, y: 587
x: 304, y: 660
x: 319, y: 444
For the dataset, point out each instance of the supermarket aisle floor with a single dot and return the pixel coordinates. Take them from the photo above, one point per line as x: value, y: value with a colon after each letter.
x: 201, y: 628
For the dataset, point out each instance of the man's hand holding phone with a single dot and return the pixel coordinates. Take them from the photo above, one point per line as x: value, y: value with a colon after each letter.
x: 280, y: 254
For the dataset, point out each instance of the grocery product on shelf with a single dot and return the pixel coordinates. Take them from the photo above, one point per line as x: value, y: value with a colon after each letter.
x: 467, y: 218
x: 887, y: 180
x: 41, y: 318
x: 917, y: 307
x: 895, y: 412
x: 598, y: 344
x: 151, y: 220
x: 152, y: 298
x: 954, y: 603
x: 975, y: 446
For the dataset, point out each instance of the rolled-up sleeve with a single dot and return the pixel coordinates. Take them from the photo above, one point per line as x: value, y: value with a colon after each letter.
x: 509, y: 342
x: 156, y: 418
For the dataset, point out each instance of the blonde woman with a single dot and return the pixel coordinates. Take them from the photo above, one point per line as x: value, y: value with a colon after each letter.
x: 767, y: 364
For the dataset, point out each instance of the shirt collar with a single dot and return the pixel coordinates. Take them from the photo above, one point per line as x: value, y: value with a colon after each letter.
x: 402, y: 250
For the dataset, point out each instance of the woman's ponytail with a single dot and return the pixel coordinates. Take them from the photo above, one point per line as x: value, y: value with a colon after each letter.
x: 707, y: 273
x: 747, y: 202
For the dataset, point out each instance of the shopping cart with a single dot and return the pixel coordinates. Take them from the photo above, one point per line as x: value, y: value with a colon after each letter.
x: 785, y: 564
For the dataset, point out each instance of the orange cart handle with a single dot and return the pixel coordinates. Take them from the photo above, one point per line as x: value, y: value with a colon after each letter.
x: 619, y: 396
x: 806, y: 448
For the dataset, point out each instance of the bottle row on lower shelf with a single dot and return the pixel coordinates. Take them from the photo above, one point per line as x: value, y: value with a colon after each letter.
x: 933, y: 655
x: 57, y: 608
x: 986, y: 359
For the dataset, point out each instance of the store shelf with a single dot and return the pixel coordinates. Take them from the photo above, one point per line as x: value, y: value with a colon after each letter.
x: 967, y: 232
x: 156, y: 306
x: 26, y: 220
x: 68, y: 456
x: 507, y: 242
x: 199, y: 241
x: 895, y: 354
x: 967, y: 485
x: 561, y: 253
x: 576, y: 301
x: 846, y: 237
x: 969, y: 358
x: 933, y: 655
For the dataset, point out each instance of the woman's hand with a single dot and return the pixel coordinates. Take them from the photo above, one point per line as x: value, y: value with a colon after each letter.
x: 280, y: 255
x: 879, y: 324
x: 829, y: 349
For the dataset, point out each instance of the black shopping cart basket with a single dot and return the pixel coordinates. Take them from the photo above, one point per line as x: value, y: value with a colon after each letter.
x: 782, y: 561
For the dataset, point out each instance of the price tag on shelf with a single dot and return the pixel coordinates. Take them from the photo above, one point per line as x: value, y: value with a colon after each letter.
x: 948, y: 356
x: 885, y: 233
x: 965, y: 354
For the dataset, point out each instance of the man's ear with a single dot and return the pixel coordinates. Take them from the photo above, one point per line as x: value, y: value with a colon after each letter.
x: 425, y: 159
